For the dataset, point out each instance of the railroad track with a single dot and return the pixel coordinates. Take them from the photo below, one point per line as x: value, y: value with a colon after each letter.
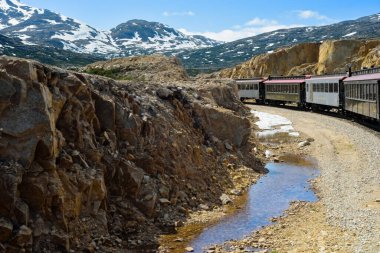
x: 336, y: 114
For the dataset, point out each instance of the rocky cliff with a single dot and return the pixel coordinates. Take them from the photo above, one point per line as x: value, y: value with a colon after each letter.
x: 310, y: 58
x: 92, y: 164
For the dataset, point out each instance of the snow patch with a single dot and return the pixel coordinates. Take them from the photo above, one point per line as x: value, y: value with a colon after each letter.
x: 271, y: 124
x: 349, y: 34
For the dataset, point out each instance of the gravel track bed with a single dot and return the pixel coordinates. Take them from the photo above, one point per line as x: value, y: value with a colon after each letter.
x: 348, y: 156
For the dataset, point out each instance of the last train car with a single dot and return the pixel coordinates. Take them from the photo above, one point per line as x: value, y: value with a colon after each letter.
x: 285, y: 89
x: 250, y: 88
x: 361, y: 94
x: 325, y: 92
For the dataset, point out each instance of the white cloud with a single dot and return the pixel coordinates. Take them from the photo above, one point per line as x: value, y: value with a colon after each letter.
x: 308, y: 14
x: 183, y: 13
x: 261, y: 22
x: 251, y: 28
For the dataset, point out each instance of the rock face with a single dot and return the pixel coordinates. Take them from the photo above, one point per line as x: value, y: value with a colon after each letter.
x: 310, y: 58
x: 142, y: 68
x: 88, y: 163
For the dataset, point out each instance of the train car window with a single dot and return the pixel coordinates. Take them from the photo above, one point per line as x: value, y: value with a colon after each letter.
x: 349, y: 90
x: 356, y: 91
x: 336, y: 87
x: 331, y: 88
x: 366, y: 91
x: 361, y: 91
x: 326, y: 87
x: 373, y: 92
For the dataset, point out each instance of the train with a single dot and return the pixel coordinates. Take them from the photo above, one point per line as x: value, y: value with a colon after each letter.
x: 354, y: 93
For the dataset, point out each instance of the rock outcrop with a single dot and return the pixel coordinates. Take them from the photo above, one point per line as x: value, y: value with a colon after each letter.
x: 157, y: 68
x: 91, y: 164
x: 310, y: 58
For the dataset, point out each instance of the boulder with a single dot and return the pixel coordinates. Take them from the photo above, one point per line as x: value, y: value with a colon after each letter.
x: 164, y: 93
x: 23, y: 237
x: 225, y: 199
x: 6, y: 228
x: 303, y: 144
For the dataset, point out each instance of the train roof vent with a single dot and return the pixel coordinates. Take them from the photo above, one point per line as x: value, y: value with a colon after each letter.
x: 331, y: 75
x: 247, y: 79
x: 366, y: 71
x: 285, y: 77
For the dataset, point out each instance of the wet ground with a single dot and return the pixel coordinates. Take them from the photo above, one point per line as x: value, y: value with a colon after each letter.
x: 269, y: 197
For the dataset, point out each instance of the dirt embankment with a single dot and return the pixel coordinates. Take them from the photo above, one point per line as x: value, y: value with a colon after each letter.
x: 89, y: 163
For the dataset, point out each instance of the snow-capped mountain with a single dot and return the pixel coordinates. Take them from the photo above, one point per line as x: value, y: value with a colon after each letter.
x: 43, y: 27
x: 140, y: 35
x: 15, y: 47
x: 232, y: 53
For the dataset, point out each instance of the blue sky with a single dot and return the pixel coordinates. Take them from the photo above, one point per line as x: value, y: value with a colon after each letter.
x: 225, y: 20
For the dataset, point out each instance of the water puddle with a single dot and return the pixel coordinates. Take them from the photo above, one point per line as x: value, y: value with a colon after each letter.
x: 269, y: 197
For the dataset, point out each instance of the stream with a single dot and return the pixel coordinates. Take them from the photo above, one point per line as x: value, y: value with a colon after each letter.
x: 269, y: 197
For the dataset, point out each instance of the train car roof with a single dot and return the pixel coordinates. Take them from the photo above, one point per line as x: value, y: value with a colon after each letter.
x: 250, y: 79
x: 285, y: 81
x: 328, y: 77
x: 374, y: 76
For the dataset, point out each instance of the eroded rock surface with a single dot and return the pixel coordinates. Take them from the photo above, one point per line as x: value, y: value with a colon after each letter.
x: 310, y: 58
x: 88, y: 163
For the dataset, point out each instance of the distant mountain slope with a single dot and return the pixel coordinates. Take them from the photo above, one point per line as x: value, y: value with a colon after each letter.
x: 48, y: 55
x: 230, y: 54
x: 43, y: 27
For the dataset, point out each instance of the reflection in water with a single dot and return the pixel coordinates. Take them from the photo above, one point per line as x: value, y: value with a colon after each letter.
x: 269, y: 197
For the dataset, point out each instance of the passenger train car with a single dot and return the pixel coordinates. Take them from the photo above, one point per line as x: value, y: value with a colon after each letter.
x: 362, y: 93
x: 325, y: 92
x: 356, y: 93
x: 249, y: 88
x: 285, y: 89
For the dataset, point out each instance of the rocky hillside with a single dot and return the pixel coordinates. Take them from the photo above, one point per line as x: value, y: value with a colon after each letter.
x: 156, y: 68
x: 91, y: 164
x: 310, y: 58
x: 43, y: 27
x: 236, y: 52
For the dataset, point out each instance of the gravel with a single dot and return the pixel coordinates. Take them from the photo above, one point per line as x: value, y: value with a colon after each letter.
x: 349, y: 160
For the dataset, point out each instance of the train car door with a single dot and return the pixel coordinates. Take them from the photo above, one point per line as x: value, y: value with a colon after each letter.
x: 311, y: 92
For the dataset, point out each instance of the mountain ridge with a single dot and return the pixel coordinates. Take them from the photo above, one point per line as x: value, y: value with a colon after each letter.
x: 43, y: 27
x: 232, y: 53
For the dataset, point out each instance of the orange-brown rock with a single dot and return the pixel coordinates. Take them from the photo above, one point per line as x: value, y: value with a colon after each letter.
x: 86, y: 161
x: 310, y: 58
x: 156, y: 67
